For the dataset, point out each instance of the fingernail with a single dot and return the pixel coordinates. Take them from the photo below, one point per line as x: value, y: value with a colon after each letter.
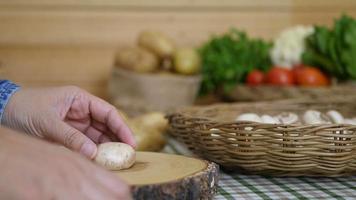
x: 88, y: 149
x: 134, y: 144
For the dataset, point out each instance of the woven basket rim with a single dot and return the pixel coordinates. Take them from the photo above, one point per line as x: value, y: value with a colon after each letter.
x: 244, y: 92
x: 186, y: 112
x: 270, y: 149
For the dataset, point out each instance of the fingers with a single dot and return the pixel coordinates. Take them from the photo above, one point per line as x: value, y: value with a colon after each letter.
x: 104, y: 129
x: 72, y: 138
x: 97, y: 136
x: 119, y: 128
x: 99, y: 126
x: 105, y: 113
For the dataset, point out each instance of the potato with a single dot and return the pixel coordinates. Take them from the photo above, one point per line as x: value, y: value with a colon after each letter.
x: 147, y: 139
x: 186, y: 61
x: 157, y: 42
x: 115, y: 155
x: 153, y: 120
x: 148, y: 130
x: 137, y: 59
x: 167, y: 64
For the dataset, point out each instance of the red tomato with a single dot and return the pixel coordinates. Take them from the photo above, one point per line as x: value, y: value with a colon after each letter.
x: 255, y: 77
x: 311, y: 76
x: 297, y: 70
x: 280, y: 76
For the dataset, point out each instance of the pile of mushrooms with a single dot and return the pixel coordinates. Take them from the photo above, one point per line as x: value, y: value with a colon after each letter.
x: 309, y: 117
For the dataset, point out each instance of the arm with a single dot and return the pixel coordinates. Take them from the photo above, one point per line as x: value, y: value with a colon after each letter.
x: 66, y: 115
x: 7, y: 89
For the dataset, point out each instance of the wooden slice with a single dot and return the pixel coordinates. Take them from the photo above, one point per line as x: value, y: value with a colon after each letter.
x: 166, y: 176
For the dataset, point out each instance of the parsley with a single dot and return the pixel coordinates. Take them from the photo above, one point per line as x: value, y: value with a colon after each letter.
x: 334, y: 49
x: 227, y: 59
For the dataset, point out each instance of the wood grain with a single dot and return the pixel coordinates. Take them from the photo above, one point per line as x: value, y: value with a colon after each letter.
x: 196, y: 4
x: 121, y: 28
x: 72, y: 42
x: 148, y: 4
x: 88, y: 68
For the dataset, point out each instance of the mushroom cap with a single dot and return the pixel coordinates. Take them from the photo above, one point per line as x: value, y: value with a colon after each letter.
x: 115, y: 155
x: 253, y: 117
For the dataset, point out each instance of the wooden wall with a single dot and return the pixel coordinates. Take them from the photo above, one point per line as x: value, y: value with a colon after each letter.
x: 59, y: 42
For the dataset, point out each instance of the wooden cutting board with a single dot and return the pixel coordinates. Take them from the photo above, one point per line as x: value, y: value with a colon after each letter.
x: 166, y: 176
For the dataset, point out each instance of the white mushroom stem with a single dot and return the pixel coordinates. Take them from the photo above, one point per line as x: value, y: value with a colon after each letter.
x: 335, y: 116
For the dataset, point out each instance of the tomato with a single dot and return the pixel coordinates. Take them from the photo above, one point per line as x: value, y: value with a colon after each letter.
x: 311, y: 76
x: 255, y: 77
x: 297, y: 70
x: 280, y: 76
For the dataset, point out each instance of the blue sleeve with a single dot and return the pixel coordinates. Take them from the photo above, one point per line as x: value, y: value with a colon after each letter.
x: 7, y: 89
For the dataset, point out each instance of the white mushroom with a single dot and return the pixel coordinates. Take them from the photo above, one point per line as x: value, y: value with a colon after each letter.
x: 315, y: 117
x: 335, y: 116
x: 249, y: 117
x: 350, y: 121
x: 115, y: 155
x: 287, y: 118
x: 269, y: 119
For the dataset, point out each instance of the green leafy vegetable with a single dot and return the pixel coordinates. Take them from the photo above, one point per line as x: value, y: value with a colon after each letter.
x: 334, y: 50
x: 227, y: 59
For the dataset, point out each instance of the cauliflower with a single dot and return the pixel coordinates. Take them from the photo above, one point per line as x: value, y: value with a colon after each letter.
x: 289, y: 46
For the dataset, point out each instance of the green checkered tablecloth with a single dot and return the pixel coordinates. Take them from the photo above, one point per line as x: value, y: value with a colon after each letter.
x: 239, y: 186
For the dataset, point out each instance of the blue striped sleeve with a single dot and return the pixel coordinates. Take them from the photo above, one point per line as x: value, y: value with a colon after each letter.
x: 7, y: 89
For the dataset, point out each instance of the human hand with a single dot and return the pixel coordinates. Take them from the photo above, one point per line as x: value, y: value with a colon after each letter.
x: 34, y: 169
x: 67, y: 115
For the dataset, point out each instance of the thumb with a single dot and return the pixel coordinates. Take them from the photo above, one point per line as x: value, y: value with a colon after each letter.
x: 70, y: 137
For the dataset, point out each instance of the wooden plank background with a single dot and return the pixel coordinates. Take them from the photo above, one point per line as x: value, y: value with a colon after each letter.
x: 53, y: 42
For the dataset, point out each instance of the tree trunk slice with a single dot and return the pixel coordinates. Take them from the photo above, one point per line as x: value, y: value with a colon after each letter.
x: 165, y: 176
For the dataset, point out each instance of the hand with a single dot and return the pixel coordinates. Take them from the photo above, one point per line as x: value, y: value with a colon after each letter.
x: 67, y: 115
x: 34, y: 169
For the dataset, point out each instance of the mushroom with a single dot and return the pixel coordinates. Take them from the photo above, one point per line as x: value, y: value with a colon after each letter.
x: 315, y: 117
x: 287, y: 118
x: 249, y: 117
x: 350, y: 121
x: 115, y: 155
x: 335, y: 116
x: 269, y: 119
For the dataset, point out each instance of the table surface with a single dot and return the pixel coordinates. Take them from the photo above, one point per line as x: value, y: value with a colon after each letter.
x: 234, y: 185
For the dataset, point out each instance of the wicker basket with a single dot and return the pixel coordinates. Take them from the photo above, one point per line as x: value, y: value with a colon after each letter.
x: 281, y: 150
x: 267, y: 93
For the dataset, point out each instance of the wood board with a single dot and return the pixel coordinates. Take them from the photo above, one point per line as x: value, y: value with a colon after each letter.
x: 166, y: 176
x: 70, y: 42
